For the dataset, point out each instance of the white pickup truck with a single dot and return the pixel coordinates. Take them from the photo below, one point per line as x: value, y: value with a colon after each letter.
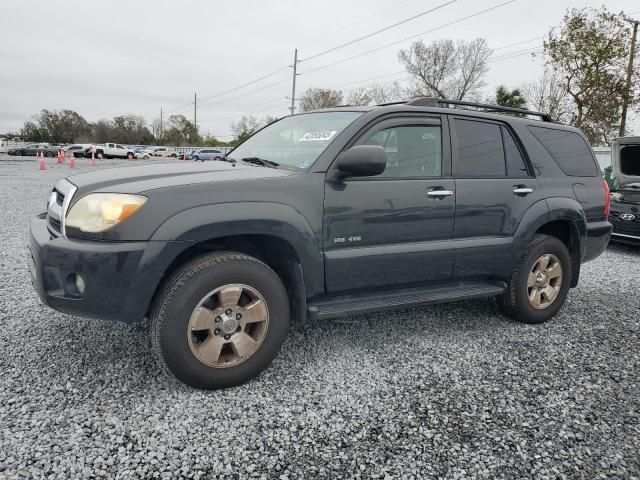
x: 112, y: 150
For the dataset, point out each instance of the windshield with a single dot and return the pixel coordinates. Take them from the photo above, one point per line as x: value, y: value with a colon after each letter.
x: 296, y: 141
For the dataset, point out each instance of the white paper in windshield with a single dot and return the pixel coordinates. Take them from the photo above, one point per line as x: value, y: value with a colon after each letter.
x: 318, y: 136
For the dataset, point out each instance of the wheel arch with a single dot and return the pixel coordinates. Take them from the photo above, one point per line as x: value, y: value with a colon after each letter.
x: 276, y: 234
x: 564, y: 219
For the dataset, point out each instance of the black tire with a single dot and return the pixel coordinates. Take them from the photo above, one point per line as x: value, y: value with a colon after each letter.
x: 99, y: 155
x: 49, y: 154
x: 195, y: 158
x: 18, y: 153
x: 130, y: 156
x: 181, y: 294
x: 173, y: 155
x: 515, y: 302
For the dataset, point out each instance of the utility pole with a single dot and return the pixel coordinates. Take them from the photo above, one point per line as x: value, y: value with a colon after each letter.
x: 293, y: 88
x: 627, y: 90
x: 160, y: 132
x: 195, y: 108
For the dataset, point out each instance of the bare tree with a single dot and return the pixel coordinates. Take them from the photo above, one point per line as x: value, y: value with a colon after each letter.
x: 387, y: 93
x: 548, y: 94
x: 318, y: 98
x: 447, y: 69
x: 359, y: 96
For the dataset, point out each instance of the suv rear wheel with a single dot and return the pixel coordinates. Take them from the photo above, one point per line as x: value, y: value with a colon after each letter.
x: 220, y: 320
x: 540, y: 282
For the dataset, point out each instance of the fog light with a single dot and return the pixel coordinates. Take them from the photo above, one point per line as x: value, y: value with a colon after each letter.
x: 79, y: 283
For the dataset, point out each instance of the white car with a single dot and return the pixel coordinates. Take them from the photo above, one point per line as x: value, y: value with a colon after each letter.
x: 141, y: 154
x: 164, y: 152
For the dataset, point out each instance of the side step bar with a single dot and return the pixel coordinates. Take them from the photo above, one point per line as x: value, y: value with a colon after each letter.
x: 340, y: 306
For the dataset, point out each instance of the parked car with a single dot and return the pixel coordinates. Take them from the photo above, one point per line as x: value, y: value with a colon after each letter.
x: 325, y: 214
x: 112, y: 150
x: 78, y: 150
x: 208, y: 154
x: 32, y: 149
x: 625, y: 190
x: 3, y: 147
x: 164, y: 152
x: 141, y: 153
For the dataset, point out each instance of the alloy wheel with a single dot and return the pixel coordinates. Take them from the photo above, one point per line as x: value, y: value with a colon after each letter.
x: 228, y: 325
x: 544, y: 281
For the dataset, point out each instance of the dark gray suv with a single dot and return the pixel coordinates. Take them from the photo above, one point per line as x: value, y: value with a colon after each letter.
x: 324, y: 214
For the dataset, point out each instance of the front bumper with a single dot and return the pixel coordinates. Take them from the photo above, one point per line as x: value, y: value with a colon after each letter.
x: 120, y: 277
x: 626, y: 224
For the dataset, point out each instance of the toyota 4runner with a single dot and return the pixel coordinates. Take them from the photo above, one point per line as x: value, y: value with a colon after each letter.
x: 325, y: 214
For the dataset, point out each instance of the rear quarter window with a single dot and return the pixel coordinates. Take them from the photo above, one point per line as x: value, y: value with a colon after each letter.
x: 568, y: 149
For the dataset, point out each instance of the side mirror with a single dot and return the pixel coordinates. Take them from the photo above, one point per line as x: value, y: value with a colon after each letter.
x: 361, y: 161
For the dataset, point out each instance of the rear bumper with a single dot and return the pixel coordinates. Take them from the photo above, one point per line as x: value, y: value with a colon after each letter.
x: 598, y: 236
x: 120, y: 277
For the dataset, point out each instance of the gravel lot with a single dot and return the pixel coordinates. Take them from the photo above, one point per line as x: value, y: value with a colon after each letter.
x: 452, y: 391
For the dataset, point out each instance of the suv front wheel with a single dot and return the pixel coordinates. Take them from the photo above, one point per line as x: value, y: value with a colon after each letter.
x: 539, y: 283
x: 220, y: 320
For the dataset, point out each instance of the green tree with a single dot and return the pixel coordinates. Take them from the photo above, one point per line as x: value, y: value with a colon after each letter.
x: 510, y: 98
x: 590, y: 51
x: 30, y: 132
x: 447, y: 69
x: 180, y: 131
x: 318, y: 98
x: 131, y: 129
x: 244, y: 128
x: 56, y: 126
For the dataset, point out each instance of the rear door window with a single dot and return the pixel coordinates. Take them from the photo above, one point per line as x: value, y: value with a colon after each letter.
x: 516, y: 167
x: 568, y: 149
x: 479, y: 149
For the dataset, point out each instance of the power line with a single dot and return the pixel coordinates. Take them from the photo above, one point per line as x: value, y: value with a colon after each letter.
x: 246, y: 84
x: 256, y: 109
x: 515, y: 55
x: 526, y: 50
x: 357, y: 22
x: 409, y: 38
x: 516, y: 44
x: 384, y: 29
x: 224, y: 100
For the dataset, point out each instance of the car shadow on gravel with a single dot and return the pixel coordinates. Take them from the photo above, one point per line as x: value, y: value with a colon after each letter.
x: 104, y: 352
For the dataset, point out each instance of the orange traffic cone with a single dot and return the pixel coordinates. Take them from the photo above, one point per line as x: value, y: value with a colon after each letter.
x: 59, y: 156
x: 41, y: 164
x: 93, y: 159
x: 72, y: 161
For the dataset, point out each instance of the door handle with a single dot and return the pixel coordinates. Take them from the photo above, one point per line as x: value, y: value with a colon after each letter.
x: 522, y: 190
x: 439, y: 193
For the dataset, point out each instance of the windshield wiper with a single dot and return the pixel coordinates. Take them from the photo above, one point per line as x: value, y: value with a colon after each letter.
x: 261, y: 161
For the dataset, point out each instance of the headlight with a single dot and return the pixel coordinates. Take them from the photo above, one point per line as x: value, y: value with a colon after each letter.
x: 98, y: 212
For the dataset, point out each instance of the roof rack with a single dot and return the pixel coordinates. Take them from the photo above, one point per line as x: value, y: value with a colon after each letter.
x: 434, y: 102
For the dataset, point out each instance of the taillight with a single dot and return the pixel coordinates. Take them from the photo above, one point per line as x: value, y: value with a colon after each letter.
x: 607, y: 198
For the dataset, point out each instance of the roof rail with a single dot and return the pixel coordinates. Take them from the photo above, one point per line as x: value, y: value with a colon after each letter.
x: 434, y: 102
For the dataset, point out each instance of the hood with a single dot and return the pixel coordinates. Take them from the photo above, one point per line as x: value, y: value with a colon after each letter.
x: 151, y: 176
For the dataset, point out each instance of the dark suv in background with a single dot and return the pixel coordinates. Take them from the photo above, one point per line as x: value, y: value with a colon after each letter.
x: 324, y: 214
x: 625, y: 190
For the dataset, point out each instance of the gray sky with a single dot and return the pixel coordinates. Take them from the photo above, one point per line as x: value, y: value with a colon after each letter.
x: 115, y: 57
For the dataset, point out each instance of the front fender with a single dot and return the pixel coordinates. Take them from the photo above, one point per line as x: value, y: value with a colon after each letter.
x: 205, y: 223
